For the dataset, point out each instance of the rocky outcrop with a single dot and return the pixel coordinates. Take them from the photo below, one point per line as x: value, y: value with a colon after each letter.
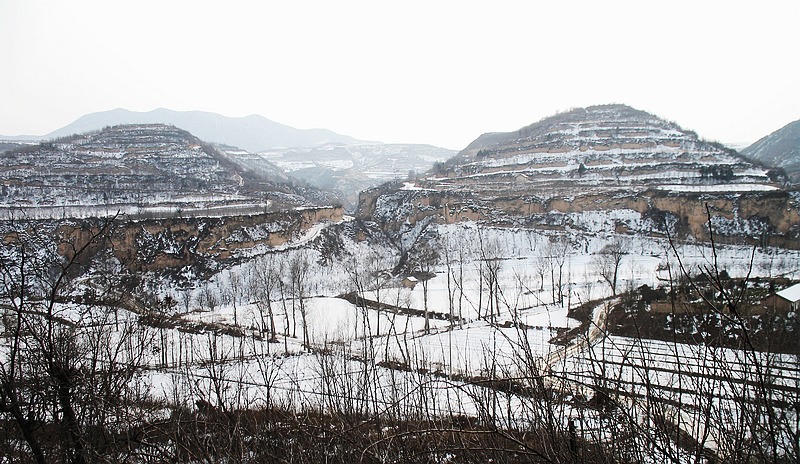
x: 771, y: 217
x: 204, y: 243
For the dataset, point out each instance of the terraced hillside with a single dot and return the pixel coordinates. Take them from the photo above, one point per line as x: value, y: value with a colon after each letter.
x: 134, y: 168
x: 600, y: 168
x: 603, y: 147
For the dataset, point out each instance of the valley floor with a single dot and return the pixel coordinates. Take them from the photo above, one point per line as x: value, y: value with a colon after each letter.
x: 510, y: 331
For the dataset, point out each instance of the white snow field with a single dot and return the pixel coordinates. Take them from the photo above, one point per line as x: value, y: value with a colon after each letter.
x: 387, y: 360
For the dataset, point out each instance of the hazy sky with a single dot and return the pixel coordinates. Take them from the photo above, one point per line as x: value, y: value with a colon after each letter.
x: 436, y: 72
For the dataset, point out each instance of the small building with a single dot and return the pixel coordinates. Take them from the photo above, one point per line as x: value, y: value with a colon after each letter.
x: 785, y: 300
x: 410, y: 282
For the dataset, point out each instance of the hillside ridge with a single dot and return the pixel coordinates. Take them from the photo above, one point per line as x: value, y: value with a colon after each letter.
x: 780, y: 149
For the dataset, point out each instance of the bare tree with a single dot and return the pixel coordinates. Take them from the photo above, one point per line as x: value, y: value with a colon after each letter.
x: 450, y: 246
x: 299, y: 265
x: 234, y: 290
x: 208, y: 298
x: 491, y: 264
x: 426, y: 259
x: 265, y: 287
x: 556, y: 252
x: 607, y: 262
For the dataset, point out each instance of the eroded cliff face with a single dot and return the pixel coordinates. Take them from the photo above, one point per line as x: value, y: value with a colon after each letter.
x: 205, y: 243
x: 770, y: 217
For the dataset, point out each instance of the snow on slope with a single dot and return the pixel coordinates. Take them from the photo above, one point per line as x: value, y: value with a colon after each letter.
x: 612, y: 144
x: 140, y: 169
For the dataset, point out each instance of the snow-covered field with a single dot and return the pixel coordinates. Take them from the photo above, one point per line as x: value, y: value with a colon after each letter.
x: 528, y: 310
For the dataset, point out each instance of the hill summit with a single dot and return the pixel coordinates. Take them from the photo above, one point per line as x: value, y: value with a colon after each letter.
x: 601, y: 168
x: 606, y: 146
x: 141, y: 166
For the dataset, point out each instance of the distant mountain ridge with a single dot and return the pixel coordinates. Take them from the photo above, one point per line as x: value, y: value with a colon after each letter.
x: 253, y: 133
x: 780, y: 149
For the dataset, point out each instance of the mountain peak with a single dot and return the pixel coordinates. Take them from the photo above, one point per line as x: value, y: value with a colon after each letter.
x: 598, y: 148
x: 609, y: 116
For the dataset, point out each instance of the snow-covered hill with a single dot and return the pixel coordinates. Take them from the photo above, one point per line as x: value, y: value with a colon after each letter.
x: 319, y: 157
x: 780, y: 149
x: 606, y: 160
x: 603, y: 147
x: 144, y: 167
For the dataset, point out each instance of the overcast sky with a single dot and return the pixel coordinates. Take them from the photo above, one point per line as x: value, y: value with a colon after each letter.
x: 437, y: 72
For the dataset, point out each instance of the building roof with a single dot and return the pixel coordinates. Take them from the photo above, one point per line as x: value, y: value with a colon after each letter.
x: 792, y: 293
